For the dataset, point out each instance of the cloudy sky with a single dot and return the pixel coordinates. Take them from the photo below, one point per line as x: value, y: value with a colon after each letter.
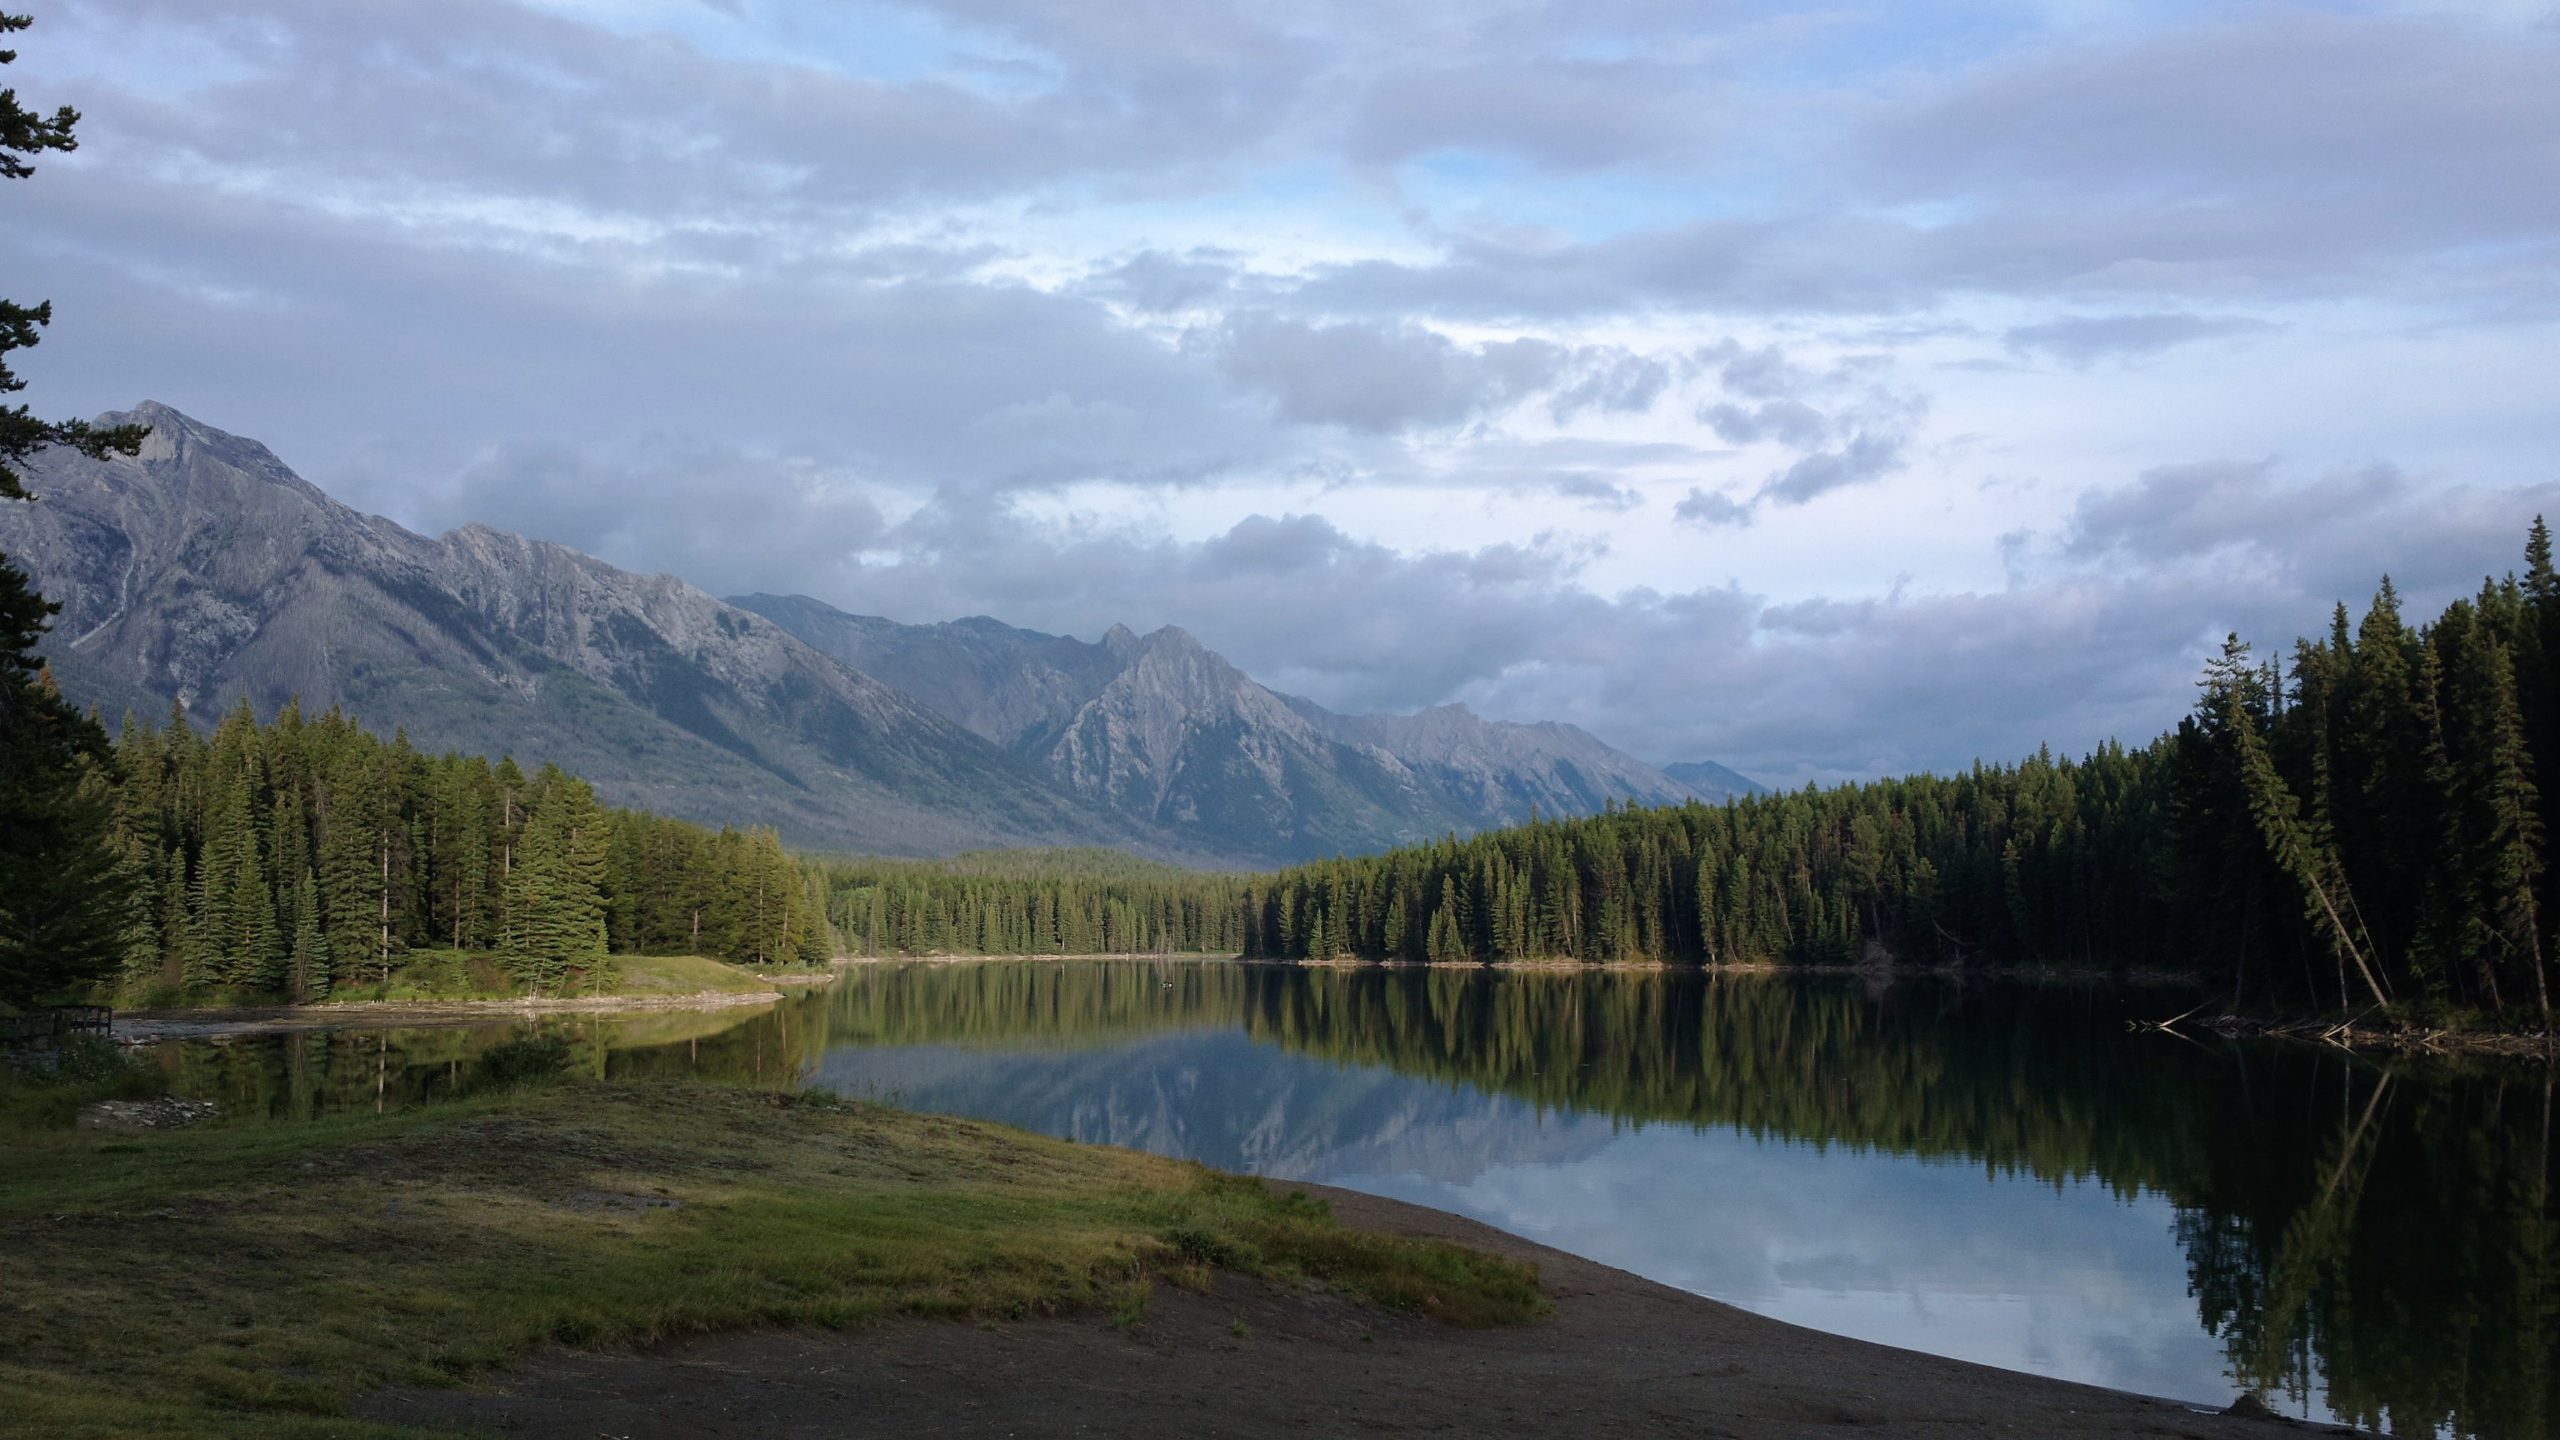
x: 1831, y: 390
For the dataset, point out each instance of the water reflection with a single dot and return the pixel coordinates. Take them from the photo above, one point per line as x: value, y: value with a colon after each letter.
x: 2006, y: 1174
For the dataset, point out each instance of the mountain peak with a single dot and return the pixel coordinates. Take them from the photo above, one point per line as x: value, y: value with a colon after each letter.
x: 178, y: 441
x: 155, y: 414
x: 1120, y: 640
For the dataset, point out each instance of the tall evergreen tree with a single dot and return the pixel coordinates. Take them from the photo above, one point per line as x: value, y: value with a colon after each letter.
x: 555, y: 892
x: 67, y: 898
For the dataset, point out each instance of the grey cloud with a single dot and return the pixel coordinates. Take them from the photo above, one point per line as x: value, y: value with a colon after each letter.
x: 1612, y: 382
x: 724, y: 520
x: 1788, y: 422
x: 1821, y: 617
x: 1378, y: 378
x: 399, y: 346
x: 1581, y: 450
x: 1835, y: 265
x: 1562, y: 114
x: 1261, y: 547
x: 1864, y: 458
x: 1709, y: 508
x: 2286, y: 155
x: 1154, y: 281
x: 2178, y: 510
x: 2435, y: 127
x: 347, y: 97
x: 2079, y: 339
x: 1764, y: 372
x: 1599, y: 492
x: 1862, y: 436
x: 2329, y: 534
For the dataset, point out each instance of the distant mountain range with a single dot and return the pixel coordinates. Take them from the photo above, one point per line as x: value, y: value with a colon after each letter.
x: 203, y: 570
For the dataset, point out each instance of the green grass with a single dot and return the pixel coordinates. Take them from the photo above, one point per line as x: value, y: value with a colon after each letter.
x: 36, y: 1096
x: 251, y: 1277
x: 684, y: 975
x: 426, y: 976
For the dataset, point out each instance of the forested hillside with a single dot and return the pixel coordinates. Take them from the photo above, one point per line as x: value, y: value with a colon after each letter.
x: 299, y: 856
x: 1037, y: 902
x: 2359, y: 824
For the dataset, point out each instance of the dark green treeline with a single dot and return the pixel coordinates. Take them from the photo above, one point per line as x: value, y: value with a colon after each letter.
x: 2361, y: 824
x: 302, y: 856
x: 1040, y: 902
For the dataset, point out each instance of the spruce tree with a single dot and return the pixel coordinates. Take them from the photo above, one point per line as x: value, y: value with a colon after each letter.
x: 555, y: 892
x: 236, y: 915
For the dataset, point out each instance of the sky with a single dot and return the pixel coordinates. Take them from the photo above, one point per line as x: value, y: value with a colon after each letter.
x: 1830, y: 390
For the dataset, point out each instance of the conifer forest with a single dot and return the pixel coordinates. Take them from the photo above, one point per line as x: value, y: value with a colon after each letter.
x: 302, y: 855
x: 2356, y: 823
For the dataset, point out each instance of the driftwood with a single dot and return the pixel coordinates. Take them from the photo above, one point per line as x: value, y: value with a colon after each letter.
x: 2355, y: 1034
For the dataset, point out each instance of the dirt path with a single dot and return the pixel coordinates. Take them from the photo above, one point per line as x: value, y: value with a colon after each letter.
x: 1621, y: 1356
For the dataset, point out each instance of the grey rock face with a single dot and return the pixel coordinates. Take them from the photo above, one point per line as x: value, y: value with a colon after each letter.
x: 1162, y: 729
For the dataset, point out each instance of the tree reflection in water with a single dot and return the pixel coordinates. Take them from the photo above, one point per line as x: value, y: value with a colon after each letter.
x: 2370, y: 1235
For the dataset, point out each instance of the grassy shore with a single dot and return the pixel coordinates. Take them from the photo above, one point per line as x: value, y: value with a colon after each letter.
x: 254, y: 1276
x: 457, y: 977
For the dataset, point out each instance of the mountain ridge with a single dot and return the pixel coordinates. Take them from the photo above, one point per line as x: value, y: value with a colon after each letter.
x: 204, y: 569
x: 1161, y: 727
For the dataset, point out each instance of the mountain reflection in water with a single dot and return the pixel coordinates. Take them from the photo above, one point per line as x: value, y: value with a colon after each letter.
x: 2002, y: 1173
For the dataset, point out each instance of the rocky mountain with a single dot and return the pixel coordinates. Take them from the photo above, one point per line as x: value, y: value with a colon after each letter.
x: 1165, y: 731
x: 1712, y: 781
x: 203, y: 570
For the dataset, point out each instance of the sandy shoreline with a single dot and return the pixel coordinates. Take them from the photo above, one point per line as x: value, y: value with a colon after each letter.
x: 1620, y: 1355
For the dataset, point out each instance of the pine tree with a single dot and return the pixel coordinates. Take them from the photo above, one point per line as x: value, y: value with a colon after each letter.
x: 2507, y: 837
x: 24, y: 134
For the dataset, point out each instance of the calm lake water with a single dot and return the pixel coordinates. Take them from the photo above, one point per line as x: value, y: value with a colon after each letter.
x: 2006, y: 1174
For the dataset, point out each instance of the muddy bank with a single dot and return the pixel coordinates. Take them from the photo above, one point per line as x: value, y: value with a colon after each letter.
x: 1620, y: 1355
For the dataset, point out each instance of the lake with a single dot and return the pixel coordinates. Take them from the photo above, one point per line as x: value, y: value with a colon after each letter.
x: 2004, y: 1173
